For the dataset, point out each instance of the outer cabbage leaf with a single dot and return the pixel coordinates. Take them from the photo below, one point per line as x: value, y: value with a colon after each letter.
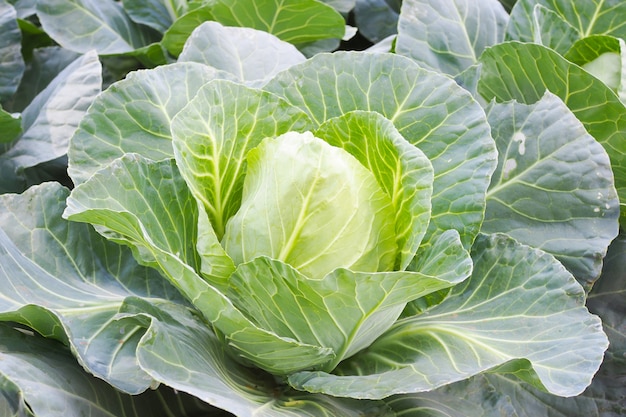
x: 96, y: 24
x: 313, y: 206
x: 248, y: 54
x: 520, y: 309
x: 449, y: 35
x: 183, y: 353
x: 553, y: 187
x: 213, y: 134
x: 157, y: 14
x: 73, y: 288
x: 401, y: 169
x: 431, y: 111
x: 134, y: 115
x: 11, y: 127
x: 507, y: 74
x: 11, y: 63
x: 551, y: 30
x: 43, y: 379
x: 588, y: 17
x: 375, y: 19
x: 50, y: 119
x: 146, y: 205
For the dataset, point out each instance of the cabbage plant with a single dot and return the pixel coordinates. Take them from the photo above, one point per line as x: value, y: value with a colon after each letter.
x: 253, y: 232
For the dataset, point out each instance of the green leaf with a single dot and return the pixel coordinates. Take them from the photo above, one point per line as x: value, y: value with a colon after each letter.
x: 449, y: 35
x: 429, y: 110
x: 507, y: 74
x: 213, y: 134
x: 313, y: 206
x: 11, y: 61
x: 586, y: 17
x: 246, y: 53
x: 520, y: 308
x: 50, y: 119
x: 375, y: 19
x: 605, y: 58
x: 157, y: 14
x: 146, y: 205
x: 293, y: 22
x: 551, y: 30
x: 101, y: 25
x: 10, y: 126
x: 553, y: 187
x: 401, y: 170
x: 345, y: 311
x: 73, y: 288
x: 134, y: 115
x: 45, y: 380
x: 175, y: 37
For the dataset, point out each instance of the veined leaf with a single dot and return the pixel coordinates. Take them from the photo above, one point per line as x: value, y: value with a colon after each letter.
x: 449, y: 35
x: 553, y: 187
x: 180, y: 351
x: 248, y: 54
x: 177, y: 34
x: 313, y: 206
x: 50, y: 119
x: 293, y: 22
x: 520, y: 308
x: 96, y: 24
x: 73, y: 288
x: 588, y: 17
x: 551, y: 30
x: 401, y: 169
x: 345, y: 311
x: 146, y: 205
x: 429, y: 110
x: 45, y: 380
x: 507, y: 74
x: 11, y: 61
x: 213, y: 134
x: 134, y: 116
x: 157, y: 14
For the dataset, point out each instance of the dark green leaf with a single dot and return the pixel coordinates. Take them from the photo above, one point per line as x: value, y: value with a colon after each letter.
x: 11, y: 61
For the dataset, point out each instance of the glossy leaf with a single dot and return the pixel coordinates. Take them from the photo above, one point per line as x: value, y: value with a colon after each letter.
x: 246, y: 53
x: 11, y: 61
x: 509, y: 312
x: 401, y: 169
x: 134, y: 115
x: 553, y: 187
x: 449, y: 35
x: 101, y: 25
x: 73, y: 289
x: 507, y: 75
x: 429, y: 110
x: 213, y: 134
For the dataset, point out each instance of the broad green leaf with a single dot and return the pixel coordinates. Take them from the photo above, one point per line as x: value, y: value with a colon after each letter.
x: 551, y: 30
x: 11, y: 61
x: 47, y: 382
x: 146, y: 205
x: 246, y: 53
x: 588, y: 17
x: 213, y: 134
x: 345, y: 311
x: 507, y: 74
x: 175, y: 37
x: 134, y: 115
x: 429, y: 110
x: 401, y: 169
x: 11, y: 127
x: 65, y: 281
x: 520, y: 308
x: 44, y: 65
x: 51, y: 118
x: 157, y: 14
x: 449, y: 35
x: 293, y: 22
x: 605, y: 58
x: 183, y: 353
x: 553, y: 187
x: 314, y: 207
x: 375, y: 19
x: 95, y: 24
